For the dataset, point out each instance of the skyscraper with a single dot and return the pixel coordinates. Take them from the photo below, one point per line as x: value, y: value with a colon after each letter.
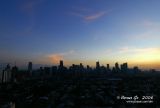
x: 117, y: 69
x: 6, y: 75
x: 30, y: 68
x: 61, y: 63
x: 108, y: 67
x: 124, y: 67
x: 116, y: 65
x: 97, y: 65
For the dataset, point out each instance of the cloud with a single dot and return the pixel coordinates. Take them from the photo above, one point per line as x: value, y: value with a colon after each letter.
x: 56, y: 57
x: 150, y: 25
x: 94, y: 16
x: 87, y: 14
x: 138, y: 50
x: 147, y: 35
x: 147, y: 23
x: 140, y: 55
x: 68, y: 53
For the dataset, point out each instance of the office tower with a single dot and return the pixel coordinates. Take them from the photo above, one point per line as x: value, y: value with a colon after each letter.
x: 13, y: 73
x: 54, y: 70
x: 97, y: 65
x: 136, y: 69
x: 116, y: 65
x: 47, y: 70
x: 81, y: 65
x: 61, y: 63
x: 108, y: 67
x: 88, y: 68
x: 6, y: 75
x: 124, y: 67
x: 117, y: 69
x: 30, y: 68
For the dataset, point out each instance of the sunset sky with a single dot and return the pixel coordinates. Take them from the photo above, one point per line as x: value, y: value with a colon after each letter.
x: 109, y: 31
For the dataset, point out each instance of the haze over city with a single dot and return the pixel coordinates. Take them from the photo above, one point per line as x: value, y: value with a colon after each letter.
x: 109, y: 31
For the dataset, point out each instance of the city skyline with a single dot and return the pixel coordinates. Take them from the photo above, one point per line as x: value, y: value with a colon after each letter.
x: 81, y: 31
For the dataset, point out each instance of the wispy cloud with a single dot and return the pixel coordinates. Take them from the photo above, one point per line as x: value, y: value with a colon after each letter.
x: 141, y: 55
x: 88, y: 14
x: 150, y: 25
x: 94, y: 16
x: 135, y: 55
x: 147, y: 23
x: 147, y: 35
x: 138, y: 50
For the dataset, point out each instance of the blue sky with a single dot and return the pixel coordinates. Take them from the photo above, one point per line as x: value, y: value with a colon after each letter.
x: 45, y: 31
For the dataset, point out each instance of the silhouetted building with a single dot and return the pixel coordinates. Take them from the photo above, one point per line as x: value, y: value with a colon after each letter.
x: 30, y: 68
x: 136, y: 69
x: 124, y: 67
x: 114, y: 70
x: 61, y: 63
x: 47, y: 70
x: 41, y: 71
x: 81, y: 65
x: 89, y: 69
x: 14, y: 72
x: 54, y: 70
x: 116, y: 65
x: 108, y: 68
x: 117, y: 69
x: 6, y: 74
x: 61, y: 67
x: 97, y: 65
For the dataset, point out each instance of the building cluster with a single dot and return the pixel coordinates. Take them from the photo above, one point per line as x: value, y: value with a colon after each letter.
x: 79, y: 70
x: 12, y: 74
x: 8, y: 74
x: 75, y: 86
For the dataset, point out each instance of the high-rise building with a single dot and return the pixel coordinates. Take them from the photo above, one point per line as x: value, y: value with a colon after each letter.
x: 108, y: 68
x: 116, y: 65
x: 61, y: 63
x: 30, y: 68
x: 6, y: 75
x: 136, y: 69
x: 81, y: 65
x: 13, y: 74
x: 124, y: 67
x: 97, y: 65
x: 117, y: 69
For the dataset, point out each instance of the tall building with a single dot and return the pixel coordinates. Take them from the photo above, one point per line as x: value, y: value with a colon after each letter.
x: 13, y: 74
x: 30, y: 68
x: 6, y: 75
x: 116, y: 65
x: 124, y: 67
x: 61, y: 63
x: 61, y: 67
x: 97, y: 65
x: 136, y: 69
x: 108, y: 68
x: 81, y: 65
x: 117, y: 69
